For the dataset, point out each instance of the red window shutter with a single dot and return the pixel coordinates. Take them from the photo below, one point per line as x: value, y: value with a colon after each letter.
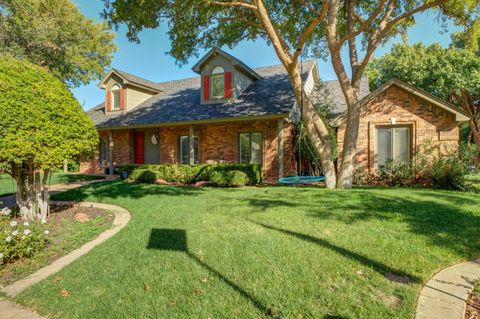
x: 206, y: 88
x: 228, y: 84
x: 122, y: 99
x: 109, y: 102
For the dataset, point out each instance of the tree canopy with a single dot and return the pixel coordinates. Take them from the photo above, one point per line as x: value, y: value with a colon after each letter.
x: 41, y: 124
x: 56, y: 35
x: 438, y: 70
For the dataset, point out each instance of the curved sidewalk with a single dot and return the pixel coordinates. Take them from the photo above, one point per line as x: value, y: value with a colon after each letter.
x: 445, y: 295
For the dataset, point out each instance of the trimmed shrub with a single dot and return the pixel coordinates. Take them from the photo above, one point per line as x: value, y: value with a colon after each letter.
x: 218, y: 179
x: 143, y: 176
x: 188, y: 174
x: 228, y: 179
x: 237, y: 178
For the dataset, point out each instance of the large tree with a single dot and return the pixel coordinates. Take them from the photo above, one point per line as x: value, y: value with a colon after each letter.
x: 41, y: 124
x: 319, y: 28
x: 449, y: 73
x: 56, y: 35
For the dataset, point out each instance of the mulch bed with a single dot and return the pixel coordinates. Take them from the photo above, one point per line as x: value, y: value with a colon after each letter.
x: 66, y: 212
x: 473, y: 307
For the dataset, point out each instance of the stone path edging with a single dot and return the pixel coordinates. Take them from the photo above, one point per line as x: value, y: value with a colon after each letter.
x: 122, y: 217
x: 445, y: 295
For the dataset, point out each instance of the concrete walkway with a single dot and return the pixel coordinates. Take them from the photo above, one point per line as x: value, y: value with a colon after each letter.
x: 9, y: 200
x: 446, y: 294
x: 9, y: 309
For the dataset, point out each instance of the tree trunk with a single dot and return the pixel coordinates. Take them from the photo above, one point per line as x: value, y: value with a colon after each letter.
x: 345, y: 175
x: 475, y: 133
x: 43, y: 196
x: 25, y: 195
x: 316, y: 129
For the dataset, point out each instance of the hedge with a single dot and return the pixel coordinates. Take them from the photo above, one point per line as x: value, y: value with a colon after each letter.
x: 229, y: 179
x: 188, y: 174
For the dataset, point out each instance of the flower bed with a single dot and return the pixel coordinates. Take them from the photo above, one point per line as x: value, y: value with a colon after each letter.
x: 28, y: 246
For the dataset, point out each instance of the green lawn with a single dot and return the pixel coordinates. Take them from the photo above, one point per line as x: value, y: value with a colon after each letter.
x: 280, y: 252
x: 7, y: 184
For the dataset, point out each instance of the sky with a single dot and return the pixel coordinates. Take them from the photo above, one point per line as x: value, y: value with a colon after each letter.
x: 149, y: 60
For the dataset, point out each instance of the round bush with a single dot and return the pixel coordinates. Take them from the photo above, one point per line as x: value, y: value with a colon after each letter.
x: 237, y: 179
x: 218, y: 179
x: 233, y: 178
x: 143, y: 176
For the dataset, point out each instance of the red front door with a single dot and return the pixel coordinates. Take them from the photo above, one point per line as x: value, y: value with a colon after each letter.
x: 139, y: 151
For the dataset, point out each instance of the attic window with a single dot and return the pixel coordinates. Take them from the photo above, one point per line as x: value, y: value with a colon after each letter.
x: 115, y: 97
x: 217, y: 87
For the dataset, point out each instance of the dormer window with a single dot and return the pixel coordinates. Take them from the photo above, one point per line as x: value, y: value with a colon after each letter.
x: 217, y: 87
x: 115, y: 97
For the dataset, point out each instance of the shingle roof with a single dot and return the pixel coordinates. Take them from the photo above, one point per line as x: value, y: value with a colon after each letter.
x: 234, y: 60
x: 137, y: 80
x: 179, y: 101
x: 340, y: 104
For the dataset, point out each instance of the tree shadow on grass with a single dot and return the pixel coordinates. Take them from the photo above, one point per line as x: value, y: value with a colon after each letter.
x: 176, y: 240
x: 118, y: 189
x: 375, y: 265
x: 442, y: 218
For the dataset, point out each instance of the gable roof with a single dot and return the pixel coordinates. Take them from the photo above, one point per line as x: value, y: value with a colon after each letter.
x: 179, y: 102
x: 234, y: 61
x: 460, y: 115
x: 132, y: 80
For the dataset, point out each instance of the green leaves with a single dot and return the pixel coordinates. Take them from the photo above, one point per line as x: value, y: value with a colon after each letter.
x: 55, y: 34
x: 41, y: 123
x: 433, y: 68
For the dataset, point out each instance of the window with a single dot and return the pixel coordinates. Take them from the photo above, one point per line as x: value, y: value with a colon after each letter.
x: 217, y: 86
x: 185, y: 149
x: 250, y: 147
x: 393, y: 143
x: 115, y: 97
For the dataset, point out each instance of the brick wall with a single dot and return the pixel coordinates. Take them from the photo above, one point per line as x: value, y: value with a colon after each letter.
x: 428, y: 123
x: 218, y: 144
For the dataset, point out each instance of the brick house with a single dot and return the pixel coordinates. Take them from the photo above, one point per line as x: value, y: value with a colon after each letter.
x: 397, y: 119
x: 231, y: 113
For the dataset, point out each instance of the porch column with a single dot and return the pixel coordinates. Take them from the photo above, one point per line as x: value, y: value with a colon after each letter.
x: 191, y: 145
x: 280, y: 148
x: 110, y: 151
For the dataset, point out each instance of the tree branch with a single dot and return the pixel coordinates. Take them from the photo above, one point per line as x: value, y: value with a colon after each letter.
x: 233, y: 4
x: 308, y: 31
x: 365, y: 24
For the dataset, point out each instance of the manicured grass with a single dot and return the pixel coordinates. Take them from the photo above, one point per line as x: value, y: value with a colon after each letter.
x: 283, y: 252
x: 7, y: 184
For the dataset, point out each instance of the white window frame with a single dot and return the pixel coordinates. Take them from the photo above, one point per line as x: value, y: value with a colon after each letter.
x: 250, y: 146
x: 393, y: 127
x: 217, y: 72
x: 115, y: 90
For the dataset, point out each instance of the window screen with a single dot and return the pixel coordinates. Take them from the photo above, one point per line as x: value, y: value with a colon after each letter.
x: 250, y: 148
x: 185, y: 149
x: 393, y: 143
